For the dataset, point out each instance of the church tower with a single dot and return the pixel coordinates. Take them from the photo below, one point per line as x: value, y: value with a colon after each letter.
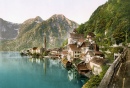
x: 45, y: 41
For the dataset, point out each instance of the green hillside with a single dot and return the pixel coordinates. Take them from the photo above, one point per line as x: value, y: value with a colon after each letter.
x: 110, y: 21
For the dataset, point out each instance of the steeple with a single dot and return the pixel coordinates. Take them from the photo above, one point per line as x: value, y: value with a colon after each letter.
x: 45, y: 41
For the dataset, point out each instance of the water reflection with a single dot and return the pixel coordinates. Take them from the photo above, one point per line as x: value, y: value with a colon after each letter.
x: 49, y: 65
x: 24, y: 72
x: 72, y: 74
x: 10, y: 54
x: 53, y: 62
x: 35, y: 60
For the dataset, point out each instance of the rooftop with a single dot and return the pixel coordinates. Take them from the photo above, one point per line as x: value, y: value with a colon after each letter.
x: 77, y: 36
x: 90, y: 52
x: 74, y: 47
x: 64, y: 52
x: 34, y: 48
x: 85, y: 44
x: 82, y: 67
x: 98, y: 61
x: 81, y: 40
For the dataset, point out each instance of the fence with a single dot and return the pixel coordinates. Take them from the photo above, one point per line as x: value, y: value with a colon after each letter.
x: 111, y: 72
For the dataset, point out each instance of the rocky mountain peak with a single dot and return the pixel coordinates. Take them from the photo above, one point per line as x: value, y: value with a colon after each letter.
x: 58, y: 17
x: 8, y: 30
x: 56, y: 28
x: 38, y: 19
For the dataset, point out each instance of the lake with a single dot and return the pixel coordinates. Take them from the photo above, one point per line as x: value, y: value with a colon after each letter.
x: 23, y: 72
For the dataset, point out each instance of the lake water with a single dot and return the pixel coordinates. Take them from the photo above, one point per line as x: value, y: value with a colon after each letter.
x: 22, y: 72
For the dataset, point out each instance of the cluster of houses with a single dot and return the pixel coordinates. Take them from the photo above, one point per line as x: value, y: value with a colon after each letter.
x: 83, y: 53
x: 33, y: 51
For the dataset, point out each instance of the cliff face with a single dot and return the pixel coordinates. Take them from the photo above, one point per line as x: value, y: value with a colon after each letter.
x: 32, y: 32
x: 111, y: 20
x: 8, y: 30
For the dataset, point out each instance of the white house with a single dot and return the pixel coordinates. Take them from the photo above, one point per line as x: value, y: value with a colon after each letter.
x: 88, y: 56
x: 40, y: 50
x: 37, y: 50
x: 96, y: 65
x: 85, y: 47
x: 33, y: 50
x: 74, y: 51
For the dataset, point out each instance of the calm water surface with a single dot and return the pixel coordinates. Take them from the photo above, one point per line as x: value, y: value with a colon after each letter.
x: 22, y: 72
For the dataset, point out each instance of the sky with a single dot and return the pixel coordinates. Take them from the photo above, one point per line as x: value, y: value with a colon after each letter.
x: 18, y: 11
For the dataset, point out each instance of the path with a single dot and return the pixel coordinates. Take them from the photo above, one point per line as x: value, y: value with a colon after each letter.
x: 126, y: 78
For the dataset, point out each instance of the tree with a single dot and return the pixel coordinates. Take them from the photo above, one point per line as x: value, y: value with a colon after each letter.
x: 81, y: 29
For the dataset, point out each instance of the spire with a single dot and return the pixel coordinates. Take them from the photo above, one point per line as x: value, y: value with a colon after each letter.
x: 45, y: 41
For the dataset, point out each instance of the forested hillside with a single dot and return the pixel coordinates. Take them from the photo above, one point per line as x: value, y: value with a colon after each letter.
x: 110, y: 21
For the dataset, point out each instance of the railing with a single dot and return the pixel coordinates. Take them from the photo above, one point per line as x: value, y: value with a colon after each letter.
x: 111, y: 72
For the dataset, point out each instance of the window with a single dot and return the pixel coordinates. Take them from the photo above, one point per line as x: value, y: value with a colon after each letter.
x: 76, y: 55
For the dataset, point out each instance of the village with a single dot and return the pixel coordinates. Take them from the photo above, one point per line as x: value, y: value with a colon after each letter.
x: 80, y: 53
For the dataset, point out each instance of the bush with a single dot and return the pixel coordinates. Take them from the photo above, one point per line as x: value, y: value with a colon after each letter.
x: 95, y: 80
x: 116, y: 49
x: 45, y: 53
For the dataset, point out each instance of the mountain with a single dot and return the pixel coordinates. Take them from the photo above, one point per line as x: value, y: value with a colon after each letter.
x: 110, y: 20
x: 33, y: 31
x: 8, y: 30
x: 28, y: 25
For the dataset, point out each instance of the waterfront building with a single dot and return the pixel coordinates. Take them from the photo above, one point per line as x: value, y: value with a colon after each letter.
x: 96, y: 65
x: 83, y: 50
